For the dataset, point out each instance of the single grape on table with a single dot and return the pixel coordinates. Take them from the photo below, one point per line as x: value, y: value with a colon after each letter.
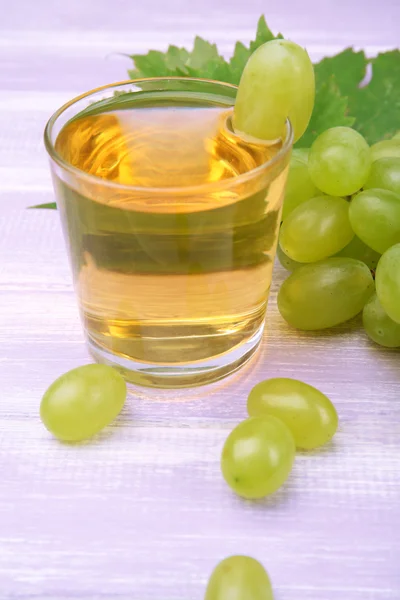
x: 388, y: 282
x: 385, y: 175
x: 339, y: 161
x: 316, y: 229
x: 239, y: 578
x: 326, y: 293
x: 258, y: 456
x: 375, y: 218
x: 379, y: 326
x: 277, y: 83
x: 308, y: 413
x: 82, y: 402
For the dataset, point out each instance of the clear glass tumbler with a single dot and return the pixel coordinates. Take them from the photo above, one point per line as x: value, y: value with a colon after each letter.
x: 171, y: 223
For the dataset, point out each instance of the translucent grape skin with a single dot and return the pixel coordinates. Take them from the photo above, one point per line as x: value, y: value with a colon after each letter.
x: 299, y: 186
x: 385, y: 175
x: 257, y: 457
x: 82, y: 402
x: 379, y: 326
x: 339, y: 161
x: 277, y: 83
x: 359, y: 250
x: 316, y: 229
x: 324, y: 294
x: 387, y: 281
x: 375, y: 218
x: 384, y: 149
x: 308, y: 413
x: 301, y: 154
x: 239, y: 578
x: 288, y: 263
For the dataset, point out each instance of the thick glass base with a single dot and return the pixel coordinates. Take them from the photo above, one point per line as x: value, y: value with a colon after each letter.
x: 179, y: 375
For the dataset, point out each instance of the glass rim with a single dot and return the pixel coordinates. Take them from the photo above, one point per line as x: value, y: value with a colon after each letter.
x: 178, y: 190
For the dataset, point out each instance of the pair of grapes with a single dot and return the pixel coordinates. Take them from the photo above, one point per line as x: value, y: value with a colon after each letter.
x: 331, y: 243
x: 285, y: 415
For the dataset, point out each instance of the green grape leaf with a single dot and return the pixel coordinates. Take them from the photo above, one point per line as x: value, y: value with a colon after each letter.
x: 330, y: 110
x: 264, y: 34
x: 376, y: 106
x: 160, y: 64
x: 242, y: 54
x: 203, y: 52
x: 203, y: 61
x: 348, y: 68
x: 240, y: 57
x: 46, y: 205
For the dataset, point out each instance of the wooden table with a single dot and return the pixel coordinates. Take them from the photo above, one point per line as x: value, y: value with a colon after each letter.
x: 143, y: 513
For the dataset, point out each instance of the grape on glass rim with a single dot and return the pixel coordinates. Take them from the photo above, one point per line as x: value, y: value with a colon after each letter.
x: 257, y: 457
x: 379, y: 326
x: 388, y: 282
x: 308, y: 413
x: 239, y: 578
x: 316, y: 229
x: 375, y: 218
x: 339, y: 161
x: 82, y: 402
x: 277, y: 83
x: 324, y: 294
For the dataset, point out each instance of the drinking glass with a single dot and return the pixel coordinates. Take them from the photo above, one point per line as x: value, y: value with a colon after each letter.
x: 171, y: 223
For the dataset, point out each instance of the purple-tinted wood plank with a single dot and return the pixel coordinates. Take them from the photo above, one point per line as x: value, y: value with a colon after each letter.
x: 142, y: 512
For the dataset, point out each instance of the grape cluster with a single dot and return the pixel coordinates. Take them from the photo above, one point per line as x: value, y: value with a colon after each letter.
x: 340, y: 227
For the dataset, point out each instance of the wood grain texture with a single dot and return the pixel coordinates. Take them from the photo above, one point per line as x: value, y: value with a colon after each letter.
x: 142, y: 513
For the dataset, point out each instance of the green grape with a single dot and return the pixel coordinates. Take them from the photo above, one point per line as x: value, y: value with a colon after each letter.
x: 288, y: 263
x: 308, y: 413
x: 316, y: 229
x: 299, y: 186
x: 396, y: 136
x: 257, y: 457
x: 82, y: 402
x: 239, y: 578
x: 339, y: 161
x: 301, y: 154
x: 326, y: 293
x: 379, y: 326
x: 388, y: 282
x: 277, y: 83
x: 375, y: 218
x: 359, y: 250
x: 385, y: 149
x: 385, y: 175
